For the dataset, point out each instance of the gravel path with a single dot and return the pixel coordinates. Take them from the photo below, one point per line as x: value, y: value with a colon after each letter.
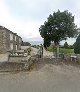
x: 45, y: 77
x: 47, y: 54
x: 35, y: 51
x: 48, y: 78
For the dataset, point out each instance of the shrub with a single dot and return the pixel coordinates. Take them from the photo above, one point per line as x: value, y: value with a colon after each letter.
x: 77, y: 45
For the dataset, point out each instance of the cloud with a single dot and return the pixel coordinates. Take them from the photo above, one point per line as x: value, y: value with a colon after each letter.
x: 25, y: 16
x: 39, y: 10
x: 26, y: 29
x: 35, y: 10
x: 69, y: 40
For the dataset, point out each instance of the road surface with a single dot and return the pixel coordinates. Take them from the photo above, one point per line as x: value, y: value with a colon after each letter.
x: 44, y: 78
x: 48, y: 78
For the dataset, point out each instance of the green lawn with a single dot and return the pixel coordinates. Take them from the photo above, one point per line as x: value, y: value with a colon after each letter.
x: 66, y: 51
x: 62, y: 50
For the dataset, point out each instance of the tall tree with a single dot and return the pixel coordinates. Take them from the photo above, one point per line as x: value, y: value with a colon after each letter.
x: 59, y: 26
x: 66, y: 45
x: 77, y: 45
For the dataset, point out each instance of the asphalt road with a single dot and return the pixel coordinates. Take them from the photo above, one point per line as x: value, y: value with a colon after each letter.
x: 49, y: 78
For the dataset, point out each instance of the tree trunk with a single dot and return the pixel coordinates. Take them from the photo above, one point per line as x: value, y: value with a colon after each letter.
x: 57, y: 51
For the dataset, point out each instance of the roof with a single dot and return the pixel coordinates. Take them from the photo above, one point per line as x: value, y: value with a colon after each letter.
x: 1, y: 27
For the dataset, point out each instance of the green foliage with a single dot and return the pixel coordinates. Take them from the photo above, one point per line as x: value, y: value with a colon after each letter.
x: 66, y: 50
x: 71, y: 46
x: 77, y: 45
x: 46, y: 42
x: 25, y: 44
x: 51, y: 49
x: 61, y: 50
x: 66, y: 45
x: 58, y: 27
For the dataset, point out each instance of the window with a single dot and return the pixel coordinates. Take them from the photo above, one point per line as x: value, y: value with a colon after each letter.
x: 16, y: 47
x: 20, y: 40
x: 11, y: 36
x: 11, y: 46
x: 15, y: 38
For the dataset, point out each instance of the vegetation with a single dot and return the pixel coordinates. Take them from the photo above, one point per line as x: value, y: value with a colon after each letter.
x: 77, y: 45
x: 61, y: 50
x: 35, y: 46
x: 66, y: 50
x: 58, y: 27
x: 66, y: 45
x: 25, y: 44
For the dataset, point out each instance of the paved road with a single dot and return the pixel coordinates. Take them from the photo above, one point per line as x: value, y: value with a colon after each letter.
x: 49, y: 78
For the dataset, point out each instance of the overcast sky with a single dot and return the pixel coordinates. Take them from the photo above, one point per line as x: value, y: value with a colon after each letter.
x: 25, y: 16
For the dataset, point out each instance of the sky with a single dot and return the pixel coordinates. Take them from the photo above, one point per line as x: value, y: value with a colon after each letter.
x: 24, y: 17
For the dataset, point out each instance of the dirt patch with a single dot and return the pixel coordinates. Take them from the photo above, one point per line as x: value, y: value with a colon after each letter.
x: 45, y: 76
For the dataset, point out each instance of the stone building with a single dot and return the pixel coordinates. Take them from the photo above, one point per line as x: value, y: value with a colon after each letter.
x: 9, y: 41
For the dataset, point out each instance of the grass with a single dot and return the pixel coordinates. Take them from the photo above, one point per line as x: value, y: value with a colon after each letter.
x: 66, y: 51
x: 61, y: 50
x: 51, y: 49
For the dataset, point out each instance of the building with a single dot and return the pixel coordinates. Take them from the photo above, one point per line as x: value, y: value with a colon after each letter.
x: 9, y: 41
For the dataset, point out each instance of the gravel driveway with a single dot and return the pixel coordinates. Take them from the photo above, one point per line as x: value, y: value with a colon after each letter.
x: 48, y: 78
x: 45, y: 77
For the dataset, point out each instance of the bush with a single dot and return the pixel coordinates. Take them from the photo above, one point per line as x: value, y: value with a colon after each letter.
x: 66, y: 45
x: 77, y: 45
x: 26, y: 44
x: 61, y: 50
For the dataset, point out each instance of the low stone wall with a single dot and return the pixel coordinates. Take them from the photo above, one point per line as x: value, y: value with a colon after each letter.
x: 49, y: 60
x: 12, y: 66
x: 17, y: 63
x: 17, y: 59
x: 67, y: 57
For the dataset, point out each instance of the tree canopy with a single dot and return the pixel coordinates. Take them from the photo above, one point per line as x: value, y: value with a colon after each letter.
x: 25, y: 44
x: 66, y: 45
x: 77, y: 45
x: 58, y: 27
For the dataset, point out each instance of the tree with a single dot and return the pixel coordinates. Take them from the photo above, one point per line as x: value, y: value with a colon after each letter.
x: 25, y: 44
x: 74, y: 45
x: 58, y: 27
x: 77, y: 45
x: 66, y: 45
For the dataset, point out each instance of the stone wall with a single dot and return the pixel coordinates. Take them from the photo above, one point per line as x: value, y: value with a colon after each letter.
x: 26, y: 61
x: 5, y: 40
x: 17, y: 58
x: 2, y: 41
x: 18, y: 43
